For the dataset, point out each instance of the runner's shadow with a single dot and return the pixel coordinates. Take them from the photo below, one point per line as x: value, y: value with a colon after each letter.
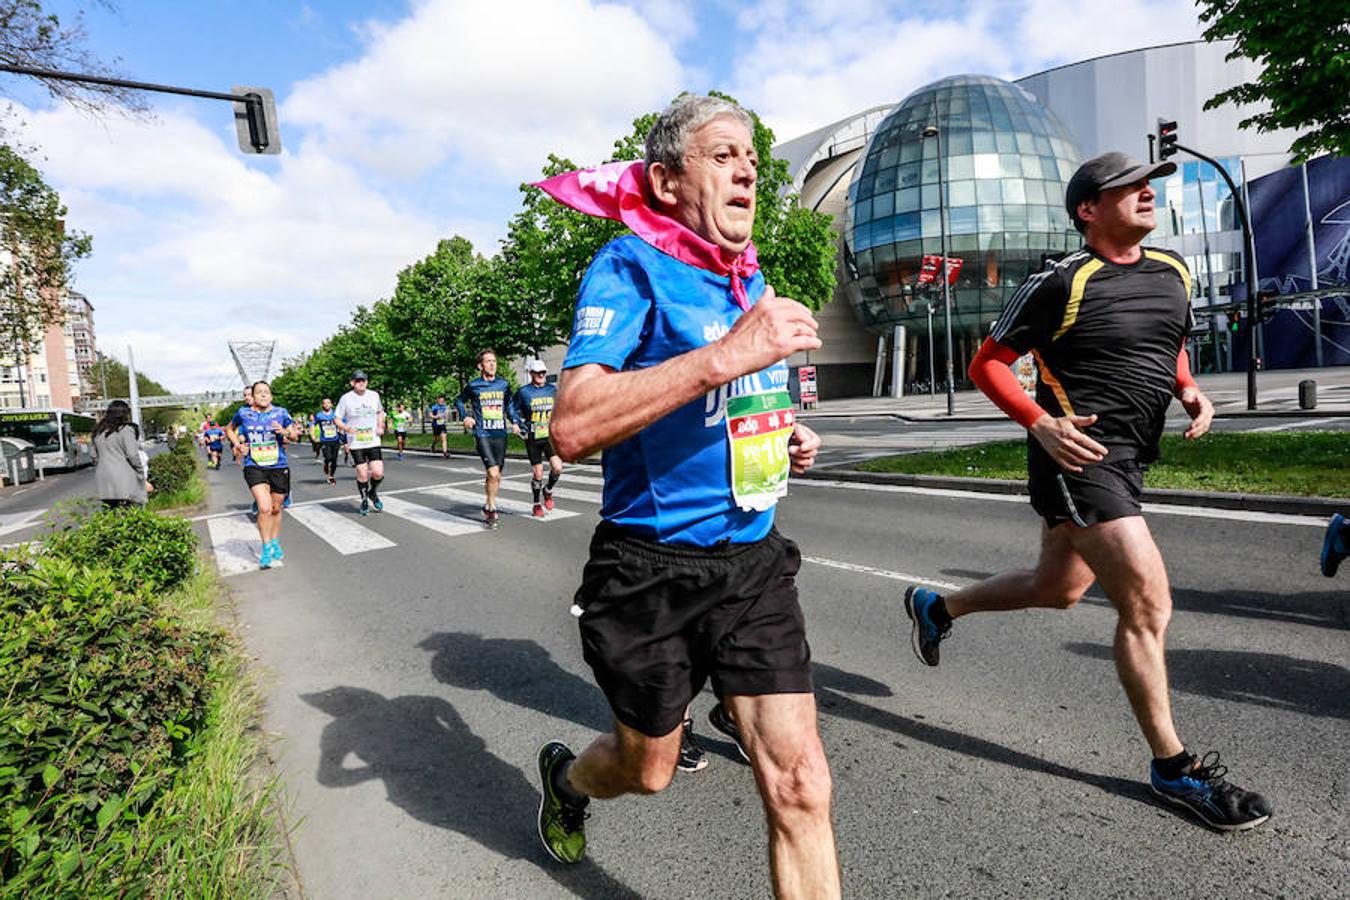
x: 1319, y: 609
x: 439, y: 772
x: 519, y: 672
x: 1265, y: 679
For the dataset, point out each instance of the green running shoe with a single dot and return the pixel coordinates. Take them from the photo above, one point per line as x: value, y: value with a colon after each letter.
x: 562, y: 825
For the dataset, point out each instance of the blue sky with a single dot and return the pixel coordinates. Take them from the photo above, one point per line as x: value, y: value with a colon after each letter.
x: 406, y: 122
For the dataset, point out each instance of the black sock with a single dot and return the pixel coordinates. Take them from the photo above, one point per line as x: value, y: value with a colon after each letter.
x: 362, y: 488
x: 374, y: 486
x: 938, y: 612
x: 1173, y: 767
x: 565, y: 790
x: 552, y: 480
x: 537, y: 486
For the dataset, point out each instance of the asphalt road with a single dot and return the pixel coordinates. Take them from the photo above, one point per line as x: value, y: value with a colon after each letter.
x: 412, y: 678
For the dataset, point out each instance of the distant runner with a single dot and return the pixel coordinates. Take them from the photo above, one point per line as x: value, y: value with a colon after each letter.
x: 214, y: 436
x: 482, y: 404
x: 438, y: 413
x: 401, y: 419
x: 361, y: 417
x: 532, y: 410
x: 330, y: 438
x: 258, y: 434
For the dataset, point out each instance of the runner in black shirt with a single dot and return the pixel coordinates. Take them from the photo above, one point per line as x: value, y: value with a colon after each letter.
x: 1107, y: 327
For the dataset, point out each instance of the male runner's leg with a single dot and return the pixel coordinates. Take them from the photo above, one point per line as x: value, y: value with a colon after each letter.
x: 376, y: 468
x: 362, y: 480
x: 554, y: 473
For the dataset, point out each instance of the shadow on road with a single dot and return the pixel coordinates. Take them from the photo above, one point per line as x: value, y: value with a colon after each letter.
x: 439, y: 772
x: 1317, y: 609
x: 519, y: 672
x: 1265, y: 679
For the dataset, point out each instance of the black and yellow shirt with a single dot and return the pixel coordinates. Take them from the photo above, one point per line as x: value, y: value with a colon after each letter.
x: 1105, y: 337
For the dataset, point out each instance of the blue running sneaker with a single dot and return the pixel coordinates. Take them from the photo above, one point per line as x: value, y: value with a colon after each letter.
x: 365, y: 507
x: 1204, y: 791
x: 378, y: 504
x: 253, y: 510
x: 265, y: 558
x: 277, y: 554
x: 1336, y: 545
x: 286, y: 504
x: 926, y: 635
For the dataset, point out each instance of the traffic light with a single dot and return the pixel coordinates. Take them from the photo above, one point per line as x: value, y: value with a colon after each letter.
x: 1265, y: 305
x: 255, y: 120
x: 1235, y: 321
x: 1167, y: 139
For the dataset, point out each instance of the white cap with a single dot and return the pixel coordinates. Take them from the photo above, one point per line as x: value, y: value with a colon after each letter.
x: 536, y: 365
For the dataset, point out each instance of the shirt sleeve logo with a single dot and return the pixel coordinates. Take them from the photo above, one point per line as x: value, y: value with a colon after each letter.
x: 593, y: 320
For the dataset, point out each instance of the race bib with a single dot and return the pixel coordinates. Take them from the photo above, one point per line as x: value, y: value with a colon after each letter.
x: 263, y: 451
x: 328, y: 430
x: 539, y: 423
x: 492, y: 413
x: 758, y: 428
x: 365, y: 434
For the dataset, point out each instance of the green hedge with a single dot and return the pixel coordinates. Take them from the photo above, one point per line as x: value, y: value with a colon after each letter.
x: 171, y: 472
x: 144, y: 550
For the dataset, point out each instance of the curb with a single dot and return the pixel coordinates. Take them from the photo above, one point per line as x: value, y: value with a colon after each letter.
x: 942, y: 418
x: 1267, y: 503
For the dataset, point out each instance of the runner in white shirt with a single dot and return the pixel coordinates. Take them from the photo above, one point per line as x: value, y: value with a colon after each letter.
x: 361, y: 415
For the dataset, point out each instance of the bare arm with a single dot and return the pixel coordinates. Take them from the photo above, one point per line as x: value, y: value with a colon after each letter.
x: 598, y: 407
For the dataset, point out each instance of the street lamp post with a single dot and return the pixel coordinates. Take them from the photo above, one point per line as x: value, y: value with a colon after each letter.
x: 932, y: 372
x: 934, y: 132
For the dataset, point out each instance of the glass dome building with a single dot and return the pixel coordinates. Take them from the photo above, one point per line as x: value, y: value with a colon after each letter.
x: 1006, y: 160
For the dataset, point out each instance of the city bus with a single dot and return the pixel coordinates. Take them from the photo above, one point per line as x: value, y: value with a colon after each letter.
x: 61, y: 439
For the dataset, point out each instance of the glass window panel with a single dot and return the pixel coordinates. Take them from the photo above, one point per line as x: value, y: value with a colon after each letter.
x: 930, y: 196
x: 1025, y: 142
x: 963, y: 243
x: 908, y: 249
x: 908, y: 175
x: 983, y: 142
x: 888, y: 157
x: 987, y: 191
x: 883, y: 205
x: 1015, y: 217
x: 907, y: 199
x: 862, y: 211
x: 884, y: 256
x: 991, y: 238
x: 910, y: 151
x: 1031, y: 166
x: 986, y: 166
x: 962, y: 220
x: 999, y: 114
x: 1016, y: 240
x: 907, y: 226
x: 961, y: 142
x: 932, y: 223
x: 1035, y: 190
x: 961, y: 193
x: 960, y: 167
x: 990, y: 218
x: 1065, y: 170
x: 1009, y: 166
x: 885, y: 181
x: 929, y: 169
x: 1013, y: 191
x: 1038, y: 217
x: 1005, y: 141
x: 865, y: 186
x: 1043, y: 145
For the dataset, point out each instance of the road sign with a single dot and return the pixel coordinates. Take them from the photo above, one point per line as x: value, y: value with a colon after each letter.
x: 806, y: 377
x: 932, y: 262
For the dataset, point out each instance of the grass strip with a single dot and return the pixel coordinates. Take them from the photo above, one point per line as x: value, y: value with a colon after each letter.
x: 1303, y: 464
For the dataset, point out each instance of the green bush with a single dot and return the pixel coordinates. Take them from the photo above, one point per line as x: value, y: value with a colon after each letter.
x: 100, y: 692
x: 173, y: 471
x: 142, y: 549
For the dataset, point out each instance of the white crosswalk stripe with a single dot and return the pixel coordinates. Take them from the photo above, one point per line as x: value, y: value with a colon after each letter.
x: 342, y: 532
x: 435, y: 519
x: 560, y: 492
x: 234, y: 540
x: 504, y: 504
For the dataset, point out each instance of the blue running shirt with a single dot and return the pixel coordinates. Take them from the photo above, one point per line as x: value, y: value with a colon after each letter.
x: 266, y: 448
x: 670, y: 482
x: 487, y: 403
x: 328, y: 430
x: 532, y: 409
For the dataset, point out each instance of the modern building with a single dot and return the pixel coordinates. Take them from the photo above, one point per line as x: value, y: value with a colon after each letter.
x: 1007, y: 151
x: 81, y: 345
x: 57, y: 370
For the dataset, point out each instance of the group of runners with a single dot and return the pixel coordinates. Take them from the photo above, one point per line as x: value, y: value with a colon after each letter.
x: 676, y: 370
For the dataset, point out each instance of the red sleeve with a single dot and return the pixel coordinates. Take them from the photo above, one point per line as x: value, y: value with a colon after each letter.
x: 989, y: 370
x: 1184, y: 377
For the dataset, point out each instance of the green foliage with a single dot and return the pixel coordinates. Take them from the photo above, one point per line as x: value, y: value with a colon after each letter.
x: 142, y: 549
x: 1303, y: 48
x: 171, y: 472
x: 101, y: 693
x: 113, y: 373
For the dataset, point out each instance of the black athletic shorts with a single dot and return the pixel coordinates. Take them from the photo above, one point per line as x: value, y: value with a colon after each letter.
x: 491, y: 449
x: 330, y: 450
x: 658, y: 620
x: 1102, y: 492
x: 279, y: 480
x: 538, y: 450
x: 367, y: 454
x: 437, y: 428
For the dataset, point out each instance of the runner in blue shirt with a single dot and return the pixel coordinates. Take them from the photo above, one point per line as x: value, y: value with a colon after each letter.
x: 483, y: 405
x: 330, y: 439
x: 532, y: 410
x: 215, y: 437
x: 437, y: 412
x: 675, y: 370
x: 258, y: 434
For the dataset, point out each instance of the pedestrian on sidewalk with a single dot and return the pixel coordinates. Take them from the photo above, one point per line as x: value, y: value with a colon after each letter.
x: 121, y: 476
x: 1107, y: 327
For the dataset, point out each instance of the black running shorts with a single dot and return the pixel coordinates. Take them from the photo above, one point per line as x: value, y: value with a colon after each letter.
x: 1102, y: 492
x: 659, y: 620
x: 367, y: 455
x: 278, y: 480
x: 538, y: 450
x: 491, y: 449
x: 437, y: 428
x: 330, y: 450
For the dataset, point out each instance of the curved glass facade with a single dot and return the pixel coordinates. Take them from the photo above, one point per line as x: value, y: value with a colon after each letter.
x: 1006, y: 161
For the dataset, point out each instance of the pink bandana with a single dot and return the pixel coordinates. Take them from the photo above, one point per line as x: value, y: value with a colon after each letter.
x: 615, y: 191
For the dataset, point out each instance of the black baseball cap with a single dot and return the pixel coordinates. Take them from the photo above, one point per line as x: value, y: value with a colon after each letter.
x: 1110, y: 170
x: 358, y: 375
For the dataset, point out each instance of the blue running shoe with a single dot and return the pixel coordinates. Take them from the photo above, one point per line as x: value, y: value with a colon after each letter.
x: 253, y: 510
x: 277, y: 554
x: 1336, y: 545
x: 365, y: 507
x: 265, y: 558
x: 926, y: 635
x: 1204, y: 791
x: 378, y: 504
x: 286, y: 504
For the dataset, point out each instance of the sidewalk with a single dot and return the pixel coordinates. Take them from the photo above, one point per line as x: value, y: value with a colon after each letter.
x: 1277, y: 395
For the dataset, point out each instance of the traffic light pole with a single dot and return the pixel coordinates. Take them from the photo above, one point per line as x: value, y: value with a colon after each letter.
x: 1248, y: 265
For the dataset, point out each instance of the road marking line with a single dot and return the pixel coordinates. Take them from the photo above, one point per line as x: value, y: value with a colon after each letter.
x: 342, y: 532
x: 589, y: 480
x: 12, y: 522
x: 435, y: 519
x: 1167, y: 509
x: 383, y: 493
x: 564, y: 493
x: 506, y: 505
x: 233, y: 541
x: 1286, y: 426
x: 883, y: 573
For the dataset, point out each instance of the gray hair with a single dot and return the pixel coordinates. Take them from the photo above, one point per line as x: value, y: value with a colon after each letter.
x: 668, y: 140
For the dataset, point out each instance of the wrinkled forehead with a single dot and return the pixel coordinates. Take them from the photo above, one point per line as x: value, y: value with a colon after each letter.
x: 724, y: 130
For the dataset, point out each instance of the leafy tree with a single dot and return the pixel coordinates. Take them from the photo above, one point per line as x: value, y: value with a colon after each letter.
x: 36, y: 253
x: 1304, y: 51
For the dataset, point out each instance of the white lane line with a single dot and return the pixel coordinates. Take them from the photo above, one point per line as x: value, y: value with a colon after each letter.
x: 883, y: 573
x: 435, y: 519
x: 383, y: 493
x: 235, y: 543
x: 1286, y: 426
x: 560, y: 491
x: 12, y: 522
x: 506, y: 505
x: 590, y: 480
x: 342, y: 532
x: 1166, y: 509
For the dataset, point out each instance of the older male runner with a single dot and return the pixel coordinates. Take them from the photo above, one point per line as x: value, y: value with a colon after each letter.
x: 532, y: 411
x: 675, y: 369
x: 360, y: 415
x: 1107, y: 326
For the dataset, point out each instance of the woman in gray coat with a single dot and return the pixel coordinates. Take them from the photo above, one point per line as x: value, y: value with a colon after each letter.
x: 121, y: 473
